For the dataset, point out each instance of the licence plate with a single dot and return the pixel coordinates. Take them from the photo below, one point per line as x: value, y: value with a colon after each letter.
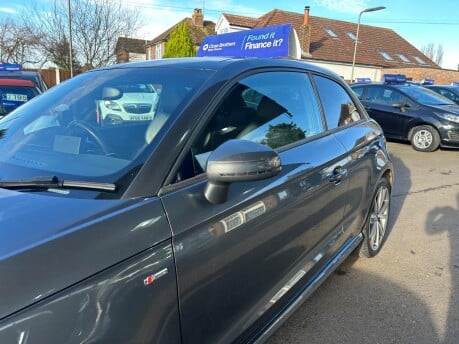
x: 140, y: 118
x: 16, y: 97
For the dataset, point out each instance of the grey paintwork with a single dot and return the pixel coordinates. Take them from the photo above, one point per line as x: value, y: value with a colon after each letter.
x: 272, y: 228
x: 78, y: 267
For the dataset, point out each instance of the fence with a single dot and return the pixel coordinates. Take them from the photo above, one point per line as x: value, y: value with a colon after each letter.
x: 52, y: 76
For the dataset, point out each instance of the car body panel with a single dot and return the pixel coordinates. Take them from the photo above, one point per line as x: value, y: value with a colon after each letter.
x: 100, y: 234
x: 253, y: 230
x: 132, y: 302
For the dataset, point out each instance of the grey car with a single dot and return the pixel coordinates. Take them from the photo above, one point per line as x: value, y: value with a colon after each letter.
x: 210, y: 223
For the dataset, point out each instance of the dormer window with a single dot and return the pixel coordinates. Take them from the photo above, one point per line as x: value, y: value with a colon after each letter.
x: 403, y: 58
x: 420, y: 61
x: 386, y: 56
x: 331, y: 33
x: 351, y: 36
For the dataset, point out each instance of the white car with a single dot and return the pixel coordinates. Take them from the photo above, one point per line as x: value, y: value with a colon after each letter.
x: 137, y: 103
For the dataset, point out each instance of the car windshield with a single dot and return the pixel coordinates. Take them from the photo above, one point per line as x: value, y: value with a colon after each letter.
x: 425, y: 96
x: 99, y: 126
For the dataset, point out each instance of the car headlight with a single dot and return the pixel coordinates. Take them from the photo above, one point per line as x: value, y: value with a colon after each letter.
x: 448, y: 116
x: 112, y: 105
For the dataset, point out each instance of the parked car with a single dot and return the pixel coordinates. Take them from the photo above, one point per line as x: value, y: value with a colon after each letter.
x: 15, y: 71
x: 448, y: 91
x: 209, y: 223
x: 14, y: 93
x: 138, y: 103
x: 410, y: 112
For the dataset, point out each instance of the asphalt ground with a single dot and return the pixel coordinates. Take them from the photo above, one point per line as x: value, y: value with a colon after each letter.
x: 409, y: 293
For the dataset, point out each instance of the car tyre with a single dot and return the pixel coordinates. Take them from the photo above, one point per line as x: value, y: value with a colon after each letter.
x: 425, y: 138
x: 375, y: 230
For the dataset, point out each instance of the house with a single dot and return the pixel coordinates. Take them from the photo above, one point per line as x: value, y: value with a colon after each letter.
x: 330, y: 43
x: 130, y: 49
x: 197, y: 26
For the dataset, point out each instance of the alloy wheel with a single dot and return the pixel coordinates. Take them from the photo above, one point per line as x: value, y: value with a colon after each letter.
x: 379, y: 218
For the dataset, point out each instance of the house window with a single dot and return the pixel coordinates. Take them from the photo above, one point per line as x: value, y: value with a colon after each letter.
x: 403, y: 58
x: 331, y: 33
x: 351, y: 36
x: 420, y: 61
x: 158, y: 51
x: 386, y: 56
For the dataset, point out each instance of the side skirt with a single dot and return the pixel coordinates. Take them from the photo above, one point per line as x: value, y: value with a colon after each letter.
x: 321, y: 276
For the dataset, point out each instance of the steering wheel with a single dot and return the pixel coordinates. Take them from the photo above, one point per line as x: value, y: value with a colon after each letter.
x: 87, y: 128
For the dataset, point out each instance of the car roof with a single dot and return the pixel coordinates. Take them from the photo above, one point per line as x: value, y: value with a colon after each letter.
x: 451, y: 87
x: 219, y: 63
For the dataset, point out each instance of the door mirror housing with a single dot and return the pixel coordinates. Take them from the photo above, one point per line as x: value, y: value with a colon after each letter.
x: 401, y: 106
x: 237, y: 161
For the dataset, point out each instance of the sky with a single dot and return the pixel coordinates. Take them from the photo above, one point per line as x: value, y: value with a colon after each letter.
x: 420, y: 22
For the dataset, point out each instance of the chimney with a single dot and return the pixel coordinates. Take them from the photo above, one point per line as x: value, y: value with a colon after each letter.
x: 305, y: 34
x: 197, y: 18
x: 306, y: 15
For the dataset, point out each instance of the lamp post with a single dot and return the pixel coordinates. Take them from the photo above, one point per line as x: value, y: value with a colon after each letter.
x: 371, y: 9
x: 70, y: 38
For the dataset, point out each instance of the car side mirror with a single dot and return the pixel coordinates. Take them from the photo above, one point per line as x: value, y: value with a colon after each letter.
x: 237, y: 161
x: 401, y: 106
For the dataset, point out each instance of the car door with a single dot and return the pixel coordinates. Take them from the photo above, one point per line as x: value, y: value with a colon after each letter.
x: 363, y: 141
x: 384, y: 104
x: 239, y: 261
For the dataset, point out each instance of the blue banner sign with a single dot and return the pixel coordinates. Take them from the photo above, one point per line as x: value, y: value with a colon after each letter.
x: 272, y: 41
x: 363, y: 80
x: 10, y: 67
x: 394, y: 78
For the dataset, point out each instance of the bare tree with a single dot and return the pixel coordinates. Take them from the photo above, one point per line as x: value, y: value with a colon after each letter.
x: 96, y: 26
x: 435, y: 54
x: 17, y: 44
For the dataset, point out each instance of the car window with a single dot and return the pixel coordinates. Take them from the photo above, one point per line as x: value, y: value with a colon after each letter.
x: 358, y: 91
x: 100, y: 125
x: 337, y: 104
x: 425, y: 96
x: 275, y: 109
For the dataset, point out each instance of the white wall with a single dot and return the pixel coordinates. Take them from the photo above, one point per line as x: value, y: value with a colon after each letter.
x: 345, y: 70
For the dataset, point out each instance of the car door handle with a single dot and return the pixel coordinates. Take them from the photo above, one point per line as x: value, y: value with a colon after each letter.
x: 338, y: 174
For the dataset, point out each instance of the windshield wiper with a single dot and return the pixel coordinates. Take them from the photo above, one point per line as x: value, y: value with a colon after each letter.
x: 55, y: 183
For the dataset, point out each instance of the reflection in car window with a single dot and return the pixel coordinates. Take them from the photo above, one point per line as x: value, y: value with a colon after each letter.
x: 275, y: 109
x: 95, y: 126
x: 337, y: 104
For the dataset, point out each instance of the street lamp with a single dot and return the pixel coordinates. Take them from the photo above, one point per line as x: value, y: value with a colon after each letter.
x: 372, y: 9
x: 70, y: 38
